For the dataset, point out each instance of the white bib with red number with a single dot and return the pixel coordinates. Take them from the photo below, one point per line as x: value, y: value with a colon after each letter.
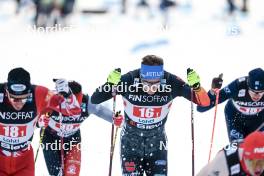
x: 14, y: 134
x: 64, y: 129
x: 146, y: 114
x: 248, y: 108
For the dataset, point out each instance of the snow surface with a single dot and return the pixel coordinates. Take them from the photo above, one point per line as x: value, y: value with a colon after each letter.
x: 201, y: 38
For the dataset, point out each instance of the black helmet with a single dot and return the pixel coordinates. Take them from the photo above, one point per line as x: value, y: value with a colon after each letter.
x: 256, y: 79
x: 18, y: 81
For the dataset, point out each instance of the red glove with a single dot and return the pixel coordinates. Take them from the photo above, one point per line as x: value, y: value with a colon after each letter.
x: 55, y: 101
x: 43, y: 121
x: 118, y: 119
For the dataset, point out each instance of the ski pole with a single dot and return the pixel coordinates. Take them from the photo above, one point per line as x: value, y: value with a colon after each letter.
x: 192, y: 124
x: 61, y: 141
x: 113, y: 131
x: 42, y: 131
x: 112, y: 139
x: 216, y: 89
x: 192, y: 132
x: 212, y: 137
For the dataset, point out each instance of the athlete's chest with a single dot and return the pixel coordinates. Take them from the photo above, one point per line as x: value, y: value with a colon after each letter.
x: 244, y: 103
x: 8, y: 115
x: 147, y: 109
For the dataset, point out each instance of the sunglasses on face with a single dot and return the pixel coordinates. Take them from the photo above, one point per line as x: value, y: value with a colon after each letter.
x: 17, y: 99
x: 257, y: 92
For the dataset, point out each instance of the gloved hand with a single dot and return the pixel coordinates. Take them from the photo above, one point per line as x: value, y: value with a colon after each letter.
x: 118, y: 119
x: 62, y: 87
x: 75, y: 87
x: 54, y: 101
x: 217, y: 82
x: 43, y: 121
x: 114, y: 77
x: 193, y: 79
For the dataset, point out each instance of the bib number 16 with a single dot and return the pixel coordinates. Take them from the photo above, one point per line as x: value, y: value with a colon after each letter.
x: 147, y: 112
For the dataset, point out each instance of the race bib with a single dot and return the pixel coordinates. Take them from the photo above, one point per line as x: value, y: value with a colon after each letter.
x: 146, y: 114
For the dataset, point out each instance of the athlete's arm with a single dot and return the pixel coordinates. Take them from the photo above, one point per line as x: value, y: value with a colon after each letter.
x: 104, y: 92
x: 226, y: 93
x: 100, y: 111
x: 180, y: 88
x: 47, y: 101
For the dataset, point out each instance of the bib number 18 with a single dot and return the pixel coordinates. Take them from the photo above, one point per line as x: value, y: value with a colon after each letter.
x: 13, y: 131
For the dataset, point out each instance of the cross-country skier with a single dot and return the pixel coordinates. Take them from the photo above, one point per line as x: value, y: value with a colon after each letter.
x: 21, y: 103
x: 148, y: 93
x: 71, y: 134
x: 239, y: 159
x: 244, y: 109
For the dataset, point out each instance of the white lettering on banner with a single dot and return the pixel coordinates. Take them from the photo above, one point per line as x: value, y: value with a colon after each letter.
x: 249, y: 108
x: 146, y: 98
x: 17, y: 115
x: 146, y: 114
x: 17, y: 133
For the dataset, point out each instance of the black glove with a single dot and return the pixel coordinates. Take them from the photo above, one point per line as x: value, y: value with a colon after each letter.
x: 217, y: 82
x: 75, y: 87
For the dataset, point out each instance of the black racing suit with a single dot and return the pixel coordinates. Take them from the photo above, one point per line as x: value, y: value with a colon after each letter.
x: 242, y: 114
x: 143, y: 137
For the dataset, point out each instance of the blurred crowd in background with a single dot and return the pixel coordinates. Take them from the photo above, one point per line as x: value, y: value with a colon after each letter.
x: 51, y: 12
